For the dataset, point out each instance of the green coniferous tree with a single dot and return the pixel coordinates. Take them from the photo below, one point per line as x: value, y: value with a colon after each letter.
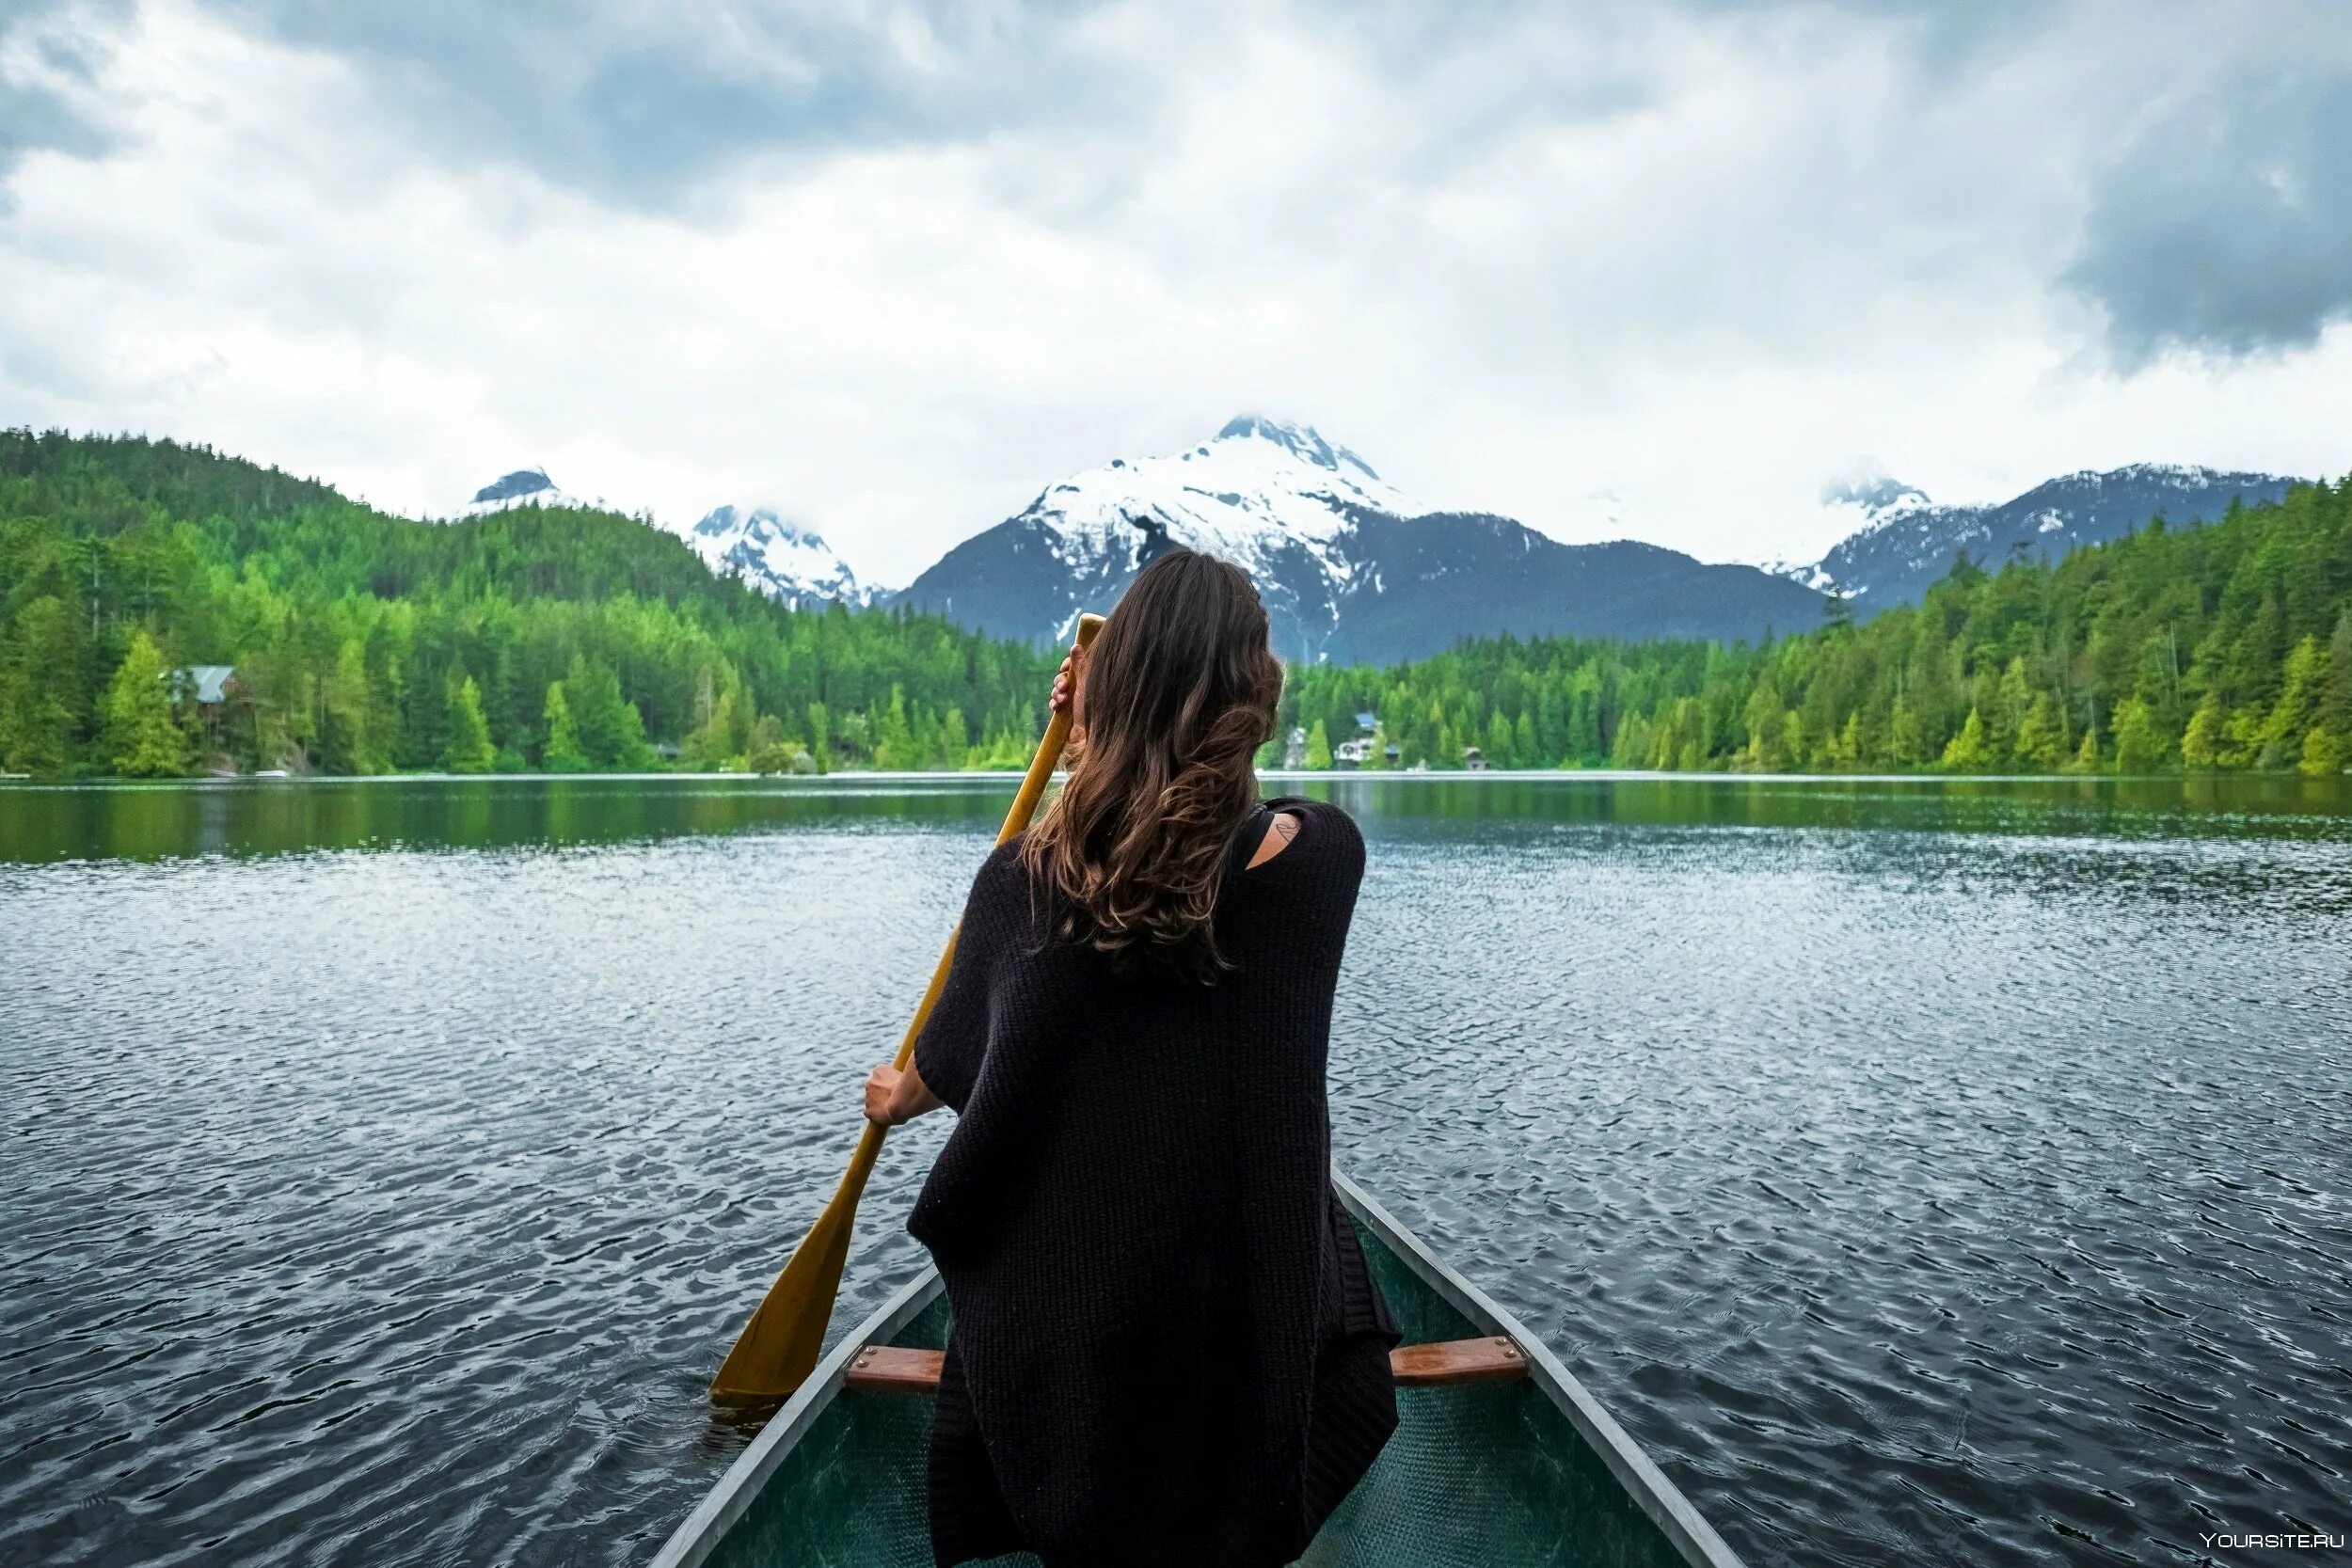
x: 1968, y: 752
x: 636, y: 753
x: 821, y: 738
x: 592, y: 691
x: 2140, y: 744
x: 1631, y: 748
x: 562, y: 754
x: 1906, y: 739
x: 468, y: 748
x: 142, y: 739
x: 718, y: 741
x: 40, y: 689
x: 1318, y: 747
x: 894, y: 738
x: 1837, y: 752
x: 2335, y: 702
x: 2323, y: 755
x: 347, y: 734
x: 2204, y: 744
x: 2041, y: 736
x: 2303, y: 683
x: 2013, y: 697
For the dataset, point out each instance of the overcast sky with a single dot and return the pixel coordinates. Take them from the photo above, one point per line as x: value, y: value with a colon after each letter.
x: 1619, y: 269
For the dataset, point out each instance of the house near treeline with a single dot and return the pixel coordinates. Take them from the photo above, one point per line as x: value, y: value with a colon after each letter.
x: 207, y: 689
x: 1358, y: 752
x: 205, y: 684
x: 1294, y: 749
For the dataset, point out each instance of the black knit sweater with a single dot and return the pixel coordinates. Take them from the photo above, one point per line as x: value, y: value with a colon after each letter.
x: 1166, y: 1348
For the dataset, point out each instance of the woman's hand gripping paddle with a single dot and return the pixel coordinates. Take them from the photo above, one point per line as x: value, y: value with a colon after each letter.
x: 779, y: 1346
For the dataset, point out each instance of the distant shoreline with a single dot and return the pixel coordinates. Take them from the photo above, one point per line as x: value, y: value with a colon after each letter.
x: 1394, y: 775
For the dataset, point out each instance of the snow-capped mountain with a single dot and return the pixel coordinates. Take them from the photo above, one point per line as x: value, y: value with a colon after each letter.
x: 780, y: 559
x: 783, y: 561
x: 525, y: 487
x: 1347, y: 568
x: 1902, y: 542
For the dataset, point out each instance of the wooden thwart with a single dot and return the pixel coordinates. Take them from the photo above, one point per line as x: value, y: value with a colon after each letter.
x: 1494, y: 1359
x: 894, y: 1369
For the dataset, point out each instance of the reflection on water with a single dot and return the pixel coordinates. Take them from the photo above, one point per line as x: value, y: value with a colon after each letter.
x: 1923, y: 1170
x: 264, y: 817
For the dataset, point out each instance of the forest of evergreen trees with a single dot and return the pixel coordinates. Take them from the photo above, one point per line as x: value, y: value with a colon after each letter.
x: 364, y: 643
x: 2220, y: 647
x: 575, y: 641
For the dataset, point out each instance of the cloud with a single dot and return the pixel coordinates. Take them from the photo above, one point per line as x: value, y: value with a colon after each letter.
x: 645, y: 104
x: 2225, y: 226
x: 1629, y: 269
x: 49, y: 61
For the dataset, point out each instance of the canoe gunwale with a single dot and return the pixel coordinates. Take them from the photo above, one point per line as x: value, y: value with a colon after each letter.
x: 703, y: 1529
x: 1635, y: 1470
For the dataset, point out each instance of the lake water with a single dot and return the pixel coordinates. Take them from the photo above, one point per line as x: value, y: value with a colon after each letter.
x: 1922, y: 1171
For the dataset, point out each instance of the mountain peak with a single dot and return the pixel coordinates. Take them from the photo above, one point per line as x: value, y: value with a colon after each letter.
x: 762, y: 521
x: 526, y: 487
x: 514, y: 487
x: 1907, y: 543
x: 1870, y: 487
x: 1299, y: 440
x: 781, y: 560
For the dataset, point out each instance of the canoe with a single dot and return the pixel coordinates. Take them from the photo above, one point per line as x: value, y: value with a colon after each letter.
x: 1500, y: 1458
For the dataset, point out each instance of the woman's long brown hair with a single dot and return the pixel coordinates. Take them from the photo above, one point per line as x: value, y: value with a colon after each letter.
x: 1178, y: 693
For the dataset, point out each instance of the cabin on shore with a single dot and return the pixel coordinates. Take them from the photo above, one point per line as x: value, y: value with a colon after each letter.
x: 1358, y: 752
x: 224, y: 706
x: 205, y: 684
x: 208, y: 688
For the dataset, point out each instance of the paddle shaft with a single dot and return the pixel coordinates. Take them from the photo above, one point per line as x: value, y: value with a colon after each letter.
x: 779, y: 1346
x: 1033, y: 783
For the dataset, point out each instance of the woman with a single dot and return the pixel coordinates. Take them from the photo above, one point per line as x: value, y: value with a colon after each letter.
x: 1167, y: 1348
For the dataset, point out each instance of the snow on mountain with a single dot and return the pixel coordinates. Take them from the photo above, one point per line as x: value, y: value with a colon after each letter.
x: 1901, y: 543
x: 1258, y: 493
x: 524, y: 487
x: 1863, y: 498
x: 1275, y: 500
x: 1347, y: 568
x: 781, y: 560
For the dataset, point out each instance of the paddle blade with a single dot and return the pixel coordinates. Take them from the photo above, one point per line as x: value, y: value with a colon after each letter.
x: 780, y: 1345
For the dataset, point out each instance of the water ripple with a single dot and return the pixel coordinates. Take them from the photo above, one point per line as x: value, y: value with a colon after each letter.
x: 1914, y: 1190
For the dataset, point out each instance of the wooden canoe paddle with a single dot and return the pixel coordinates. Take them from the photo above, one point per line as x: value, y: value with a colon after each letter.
x: 780, y: 1345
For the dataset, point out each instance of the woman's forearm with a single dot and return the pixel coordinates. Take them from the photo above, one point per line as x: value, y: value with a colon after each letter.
x: 913, y: 1096
x: 894, y: 1095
